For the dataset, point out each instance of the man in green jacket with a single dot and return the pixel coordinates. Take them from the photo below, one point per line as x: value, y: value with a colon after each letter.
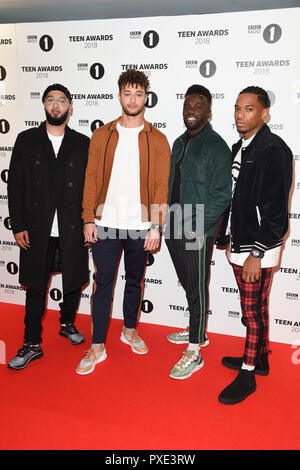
x: 199, y: 193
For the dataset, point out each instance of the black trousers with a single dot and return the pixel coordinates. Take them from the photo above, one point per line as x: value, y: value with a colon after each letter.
x: 36, y: 301
x: 191, y: 259
x: 106, y: 255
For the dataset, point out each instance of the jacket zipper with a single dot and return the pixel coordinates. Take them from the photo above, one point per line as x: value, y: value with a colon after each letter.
x: 148, y: 175
x: 183, y: 151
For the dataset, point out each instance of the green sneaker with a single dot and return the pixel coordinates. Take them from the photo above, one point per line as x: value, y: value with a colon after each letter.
x: 182, y: 337
x: 188, y: 364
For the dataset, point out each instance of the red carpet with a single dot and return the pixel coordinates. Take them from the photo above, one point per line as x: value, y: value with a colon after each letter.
x: 130, y: 402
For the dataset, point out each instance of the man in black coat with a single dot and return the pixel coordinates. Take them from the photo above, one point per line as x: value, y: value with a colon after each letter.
x: 254, y: 229
x: 45, y: 185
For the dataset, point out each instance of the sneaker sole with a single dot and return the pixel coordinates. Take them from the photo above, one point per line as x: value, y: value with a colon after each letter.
x: 72, y: 342
x: 93, y: 366
x: 202, y: 345
x: 125, y: 341
x: 191, y: 373
x: 33, y: 358
x: 177, y: 342
x: 237, y: 367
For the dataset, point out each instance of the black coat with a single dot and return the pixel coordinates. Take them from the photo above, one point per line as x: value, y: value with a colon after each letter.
x: 38, y: 183
x: 260, y: 202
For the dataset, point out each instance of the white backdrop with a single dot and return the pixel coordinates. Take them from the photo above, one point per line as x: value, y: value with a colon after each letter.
x: 224, y: 52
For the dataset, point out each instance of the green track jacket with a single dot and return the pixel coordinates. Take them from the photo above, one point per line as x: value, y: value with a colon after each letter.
x: 205, y: 178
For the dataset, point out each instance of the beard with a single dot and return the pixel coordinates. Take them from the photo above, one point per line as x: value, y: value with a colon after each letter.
x: 195, y: 125
x: 133, y: 113
x: 57, y: 121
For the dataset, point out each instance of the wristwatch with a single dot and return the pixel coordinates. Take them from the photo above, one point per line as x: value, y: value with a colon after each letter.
x: 256, y: 253
x: 158, y: 228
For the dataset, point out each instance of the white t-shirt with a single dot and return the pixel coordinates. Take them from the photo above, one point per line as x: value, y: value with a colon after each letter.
x: 271, y: 257
x: 56, y: 143
x: 122, y: 207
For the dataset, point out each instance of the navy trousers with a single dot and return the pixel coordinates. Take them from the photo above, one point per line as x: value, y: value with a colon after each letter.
x: 107, y: 252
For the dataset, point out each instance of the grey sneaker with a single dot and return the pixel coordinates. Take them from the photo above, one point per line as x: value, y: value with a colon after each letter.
x: 29, y: 352
x: 182, y: 337
x: 132, y: 338
x: 189, y: 363
x: 69, y: 331
x: 93, y: 356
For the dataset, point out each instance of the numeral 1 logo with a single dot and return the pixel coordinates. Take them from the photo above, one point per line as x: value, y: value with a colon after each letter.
x: 4, y: 126
x: 4, y: 175
x: 12, y: 268
x: 272, y: 33
x: 147, y: 306
x: 152, y: 100
x: 97, y: 71
x: 55, y: 294
x: 151, y: 39
x: 272, y: 97
x: 150, y: 259
x: 46, y: 43
x: 95, y: 124
x: 207, y: 68
x: 2, y: 73
x: 7, y: 223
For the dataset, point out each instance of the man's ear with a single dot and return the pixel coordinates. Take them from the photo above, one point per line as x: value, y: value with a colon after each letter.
x: 265, y: 114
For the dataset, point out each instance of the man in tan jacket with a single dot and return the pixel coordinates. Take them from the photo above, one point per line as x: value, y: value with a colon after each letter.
x: 124, y: 207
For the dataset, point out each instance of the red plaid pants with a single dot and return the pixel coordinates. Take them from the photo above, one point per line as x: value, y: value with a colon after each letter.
x: 255, y: 313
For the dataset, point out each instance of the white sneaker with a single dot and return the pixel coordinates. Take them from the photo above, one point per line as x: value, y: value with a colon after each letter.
x: 92, y: 357
x: 132, y: 338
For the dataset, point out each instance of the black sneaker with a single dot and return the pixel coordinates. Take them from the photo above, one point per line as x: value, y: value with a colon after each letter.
x: 235, y: 363
x: 242, y: 386
x: 69, y: 331
x: 29, y: 352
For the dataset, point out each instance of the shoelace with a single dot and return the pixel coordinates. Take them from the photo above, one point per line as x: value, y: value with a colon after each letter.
x: 133, y: 337
x: 24, y: 350
x: 90, y: 354
x: 183, y: 333
x: 71, y: 328
x: 186, y: 360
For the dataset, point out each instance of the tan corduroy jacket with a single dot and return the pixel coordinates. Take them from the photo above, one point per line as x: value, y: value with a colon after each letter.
x: 154, y: 154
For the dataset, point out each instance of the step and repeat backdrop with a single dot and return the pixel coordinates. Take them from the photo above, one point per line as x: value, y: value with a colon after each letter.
x: 225, y: 53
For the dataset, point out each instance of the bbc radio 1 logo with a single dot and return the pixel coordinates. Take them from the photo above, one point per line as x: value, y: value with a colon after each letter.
x: 45, y: 42
x: 150, y: 38
x: 207, y: 68
x: 271, y: 34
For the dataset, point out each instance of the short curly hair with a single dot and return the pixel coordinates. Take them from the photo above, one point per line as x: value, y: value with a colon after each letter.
x: 134, y: 78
